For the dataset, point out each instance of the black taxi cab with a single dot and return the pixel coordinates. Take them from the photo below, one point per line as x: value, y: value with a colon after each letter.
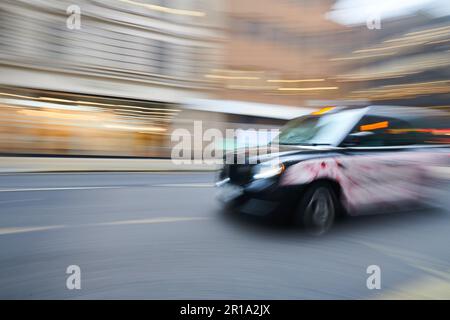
x: 348, y: 161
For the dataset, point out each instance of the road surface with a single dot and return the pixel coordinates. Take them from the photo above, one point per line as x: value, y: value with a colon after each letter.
x: 162, y: 236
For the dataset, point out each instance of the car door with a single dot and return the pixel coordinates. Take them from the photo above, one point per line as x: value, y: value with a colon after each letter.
x: 377, y: 166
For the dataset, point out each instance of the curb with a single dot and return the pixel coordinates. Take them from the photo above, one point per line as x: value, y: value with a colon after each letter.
x: 54, y: 164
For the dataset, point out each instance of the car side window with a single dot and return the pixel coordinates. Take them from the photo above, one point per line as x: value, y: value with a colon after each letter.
x: 432, y: 130
x: 377, y: 131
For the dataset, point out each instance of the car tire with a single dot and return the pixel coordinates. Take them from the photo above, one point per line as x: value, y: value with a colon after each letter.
x: 317, y: 209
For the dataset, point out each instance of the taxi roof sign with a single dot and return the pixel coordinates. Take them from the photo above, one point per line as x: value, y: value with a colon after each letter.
x: 323, y: 111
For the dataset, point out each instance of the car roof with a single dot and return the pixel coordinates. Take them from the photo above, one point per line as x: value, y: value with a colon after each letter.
x: 405, y: 113
x: 411, y: 114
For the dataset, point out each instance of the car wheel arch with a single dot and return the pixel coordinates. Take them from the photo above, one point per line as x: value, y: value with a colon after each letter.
x: 337, y: 190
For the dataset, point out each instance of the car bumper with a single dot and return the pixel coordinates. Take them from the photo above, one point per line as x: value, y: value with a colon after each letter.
x: 259, y: 198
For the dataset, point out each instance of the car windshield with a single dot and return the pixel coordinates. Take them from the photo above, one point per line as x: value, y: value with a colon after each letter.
x: 327, y: 129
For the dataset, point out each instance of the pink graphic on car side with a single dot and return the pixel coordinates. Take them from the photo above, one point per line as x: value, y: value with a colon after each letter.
x: 370, y: 180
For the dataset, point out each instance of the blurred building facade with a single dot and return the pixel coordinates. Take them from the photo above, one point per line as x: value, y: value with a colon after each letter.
x: 119, y: 83
x: 63, y: 88
x: 157, y: 51
x: 404, y: 62
x: 294, y: 52
x: 279, y: 51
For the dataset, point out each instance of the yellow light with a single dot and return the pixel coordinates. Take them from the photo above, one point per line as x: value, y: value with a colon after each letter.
x: 58, y: 115
x: 388, y: 47
x: 237, y: 71
x: 428, y: 31
x: 88, y: 103
x: 242, y: 87
x: 134, y: 128
x: 296, y: 81
x: 374, y: 126
x: 15, y: 95
x: 322, y: 111
x: 166, y: 9
x: 308, y: 89
x: 365, y: 56
x: 213, y: 76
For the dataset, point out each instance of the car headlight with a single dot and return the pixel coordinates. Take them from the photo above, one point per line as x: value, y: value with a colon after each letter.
x: 268, y: 170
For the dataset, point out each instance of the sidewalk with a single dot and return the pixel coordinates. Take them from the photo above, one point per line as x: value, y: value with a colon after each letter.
x: 64, y: 164
x: 77, y: 164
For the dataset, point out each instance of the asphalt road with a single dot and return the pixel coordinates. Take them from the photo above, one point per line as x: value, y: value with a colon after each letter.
x: 158, y: 236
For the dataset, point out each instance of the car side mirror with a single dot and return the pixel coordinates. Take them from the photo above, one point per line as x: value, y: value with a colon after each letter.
x: 355, y: 139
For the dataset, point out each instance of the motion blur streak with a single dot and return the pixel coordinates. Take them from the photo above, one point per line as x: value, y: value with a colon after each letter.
x: 92, y: 92
x: 4, y: 231
x: 219, y: 257
x: 68, y: 92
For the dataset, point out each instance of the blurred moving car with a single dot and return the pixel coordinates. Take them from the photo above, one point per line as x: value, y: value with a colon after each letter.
x: 349, y: 161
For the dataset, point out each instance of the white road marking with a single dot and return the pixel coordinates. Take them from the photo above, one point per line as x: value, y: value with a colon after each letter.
x: 185, y: 185
x: 19, y: 200
x: 4, y: 231
x: 11, y: 230
x: 150, y: 221
x: 173, y: 185
x: 57, y: 189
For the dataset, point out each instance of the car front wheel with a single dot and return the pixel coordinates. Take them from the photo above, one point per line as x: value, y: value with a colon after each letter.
x: 317, y: 209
